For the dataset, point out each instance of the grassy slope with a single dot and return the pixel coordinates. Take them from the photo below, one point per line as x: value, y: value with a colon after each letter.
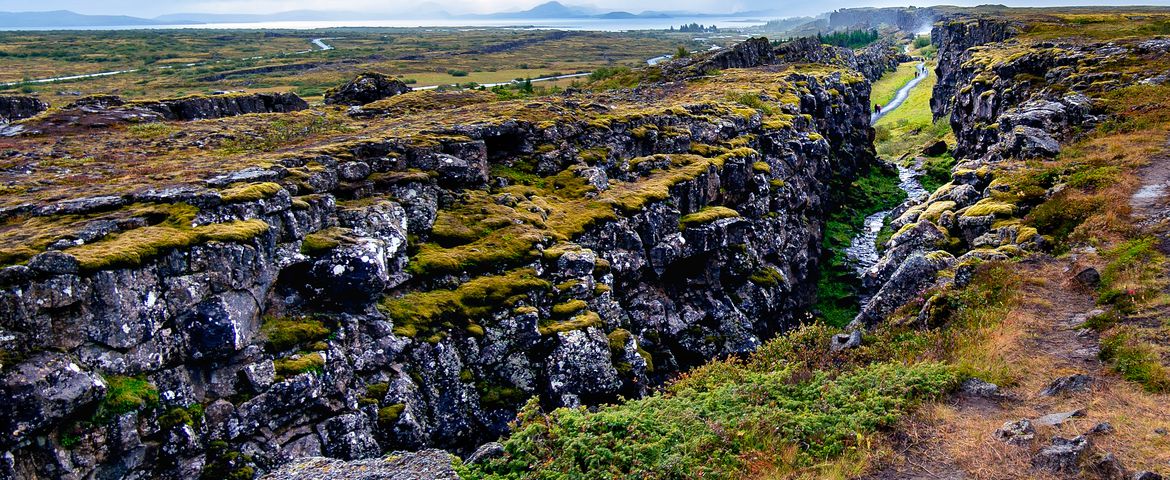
x: 883, y: 89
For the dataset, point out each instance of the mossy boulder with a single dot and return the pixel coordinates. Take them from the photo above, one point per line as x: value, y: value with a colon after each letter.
x: 367, y: 87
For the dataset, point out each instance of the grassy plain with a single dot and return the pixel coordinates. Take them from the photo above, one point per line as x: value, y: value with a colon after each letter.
x: 182, y: 62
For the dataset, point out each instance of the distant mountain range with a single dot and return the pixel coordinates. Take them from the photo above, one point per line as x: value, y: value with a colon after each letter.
x: 549, y: 10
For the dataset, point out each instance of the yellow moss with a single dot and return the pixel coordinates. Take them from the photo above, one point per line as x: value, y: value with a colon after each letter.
x: 580, y: 322
x: 422, y: 312
x: 250, y: 192
x: 761, y: 167
x: 1026, y: 234
x: 936, y: 209
x: 706, y: 215
x: 324, y: 240
x: 989, y: 206
x: 132, y: 248
x: 568, y: 308
x: 311, y: 362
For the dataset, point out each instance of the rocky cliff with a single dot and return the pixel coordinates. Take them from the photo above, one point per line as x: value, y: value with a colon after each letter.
x: 910, y: 19
x: 1008, y: 100
x: 414, y: 287
x: 954, y: 36
x: 101, y: 111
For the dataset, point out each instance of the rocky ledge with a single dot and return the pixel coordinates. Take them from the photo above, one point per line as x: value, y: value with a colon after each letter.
x: 413, y: 290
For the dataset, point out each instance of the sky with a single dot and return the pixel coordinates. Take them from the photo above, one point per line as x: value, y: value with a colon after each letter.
x: 149, y: 8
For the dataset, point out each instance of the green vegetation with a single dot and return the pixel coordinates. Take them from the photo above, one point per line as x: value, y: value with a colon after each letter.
x: 427, y: 313
x: 706, y: 215
x: 579, y: 322
x: 226, y: 464
x: 850, y: 39
x: 837, y: 284
x: 125, y: 395
x: 388, y: 416
x: 936, y: 171
x: 785, y: 408
x: 285, y: 333
x: 191, y: 416
x: 298, y: 364
x: 1135, y: 359
x: 920, y: 41
x: 249, y: 192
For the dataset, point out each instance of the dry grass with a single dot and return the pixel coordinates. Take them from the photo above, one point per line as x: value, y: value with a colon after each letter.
x: 1038, y: 349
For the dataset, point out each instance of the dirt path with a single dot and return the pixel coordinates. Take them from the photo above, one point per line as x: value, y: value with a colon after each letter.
x: 1043, y: 341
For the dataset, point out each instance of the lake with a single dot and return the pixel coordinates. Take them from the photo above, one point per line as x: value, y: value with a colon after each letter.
x: 591, y: 24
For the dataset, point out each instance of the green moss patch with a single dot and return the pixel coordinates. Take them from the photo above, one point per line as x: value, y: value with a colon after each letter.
x: 285, y: 333
x: 125, y: 395
x: 579, y: 322
x: 303, y: 363
x: 424, y: 313
x: 706, y: 215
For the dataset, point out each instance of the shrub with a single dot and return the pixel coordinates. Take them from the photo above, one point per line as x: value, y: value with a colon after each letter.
x: 707, y: 423
x: 1135, y: 360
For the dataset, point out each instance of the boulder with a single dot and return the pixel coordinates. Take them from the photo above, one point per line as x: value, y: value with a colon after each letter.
x: 1089, y: 277
x: 580, y: 365
x: 1057, y: 419
x: 915, y: 274
x: 935, y: 149
x: 1063, y: 456
x: 484, y: 453
x: 845, y: 341
x: 222, y: 325
x: 1072, y: 383
x: 979, y: 388
x: 1019, y: 433
x: 348, y: 437
x: 366, y: 88
x: 16, y: 107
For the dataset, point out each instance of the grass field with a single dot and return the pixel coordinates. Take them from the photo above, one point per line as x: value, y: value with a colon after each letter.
x: 885, y: 88
x: 183, y: 62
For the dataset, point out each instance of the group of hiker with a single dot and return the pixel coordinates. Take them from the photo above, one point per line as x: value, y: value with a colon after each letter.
x: 921, y: 69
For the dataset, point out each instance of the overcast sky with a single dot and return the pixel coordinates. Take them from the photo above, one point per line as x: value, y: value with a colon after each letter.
x: 148, y: 8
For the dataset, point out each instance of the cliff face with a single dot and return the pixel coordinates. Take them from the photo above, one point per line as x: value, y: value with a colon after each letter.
x: 954, y: 36
x: 414, y: 289
x: 907, y: 19
x: 1008, y: 101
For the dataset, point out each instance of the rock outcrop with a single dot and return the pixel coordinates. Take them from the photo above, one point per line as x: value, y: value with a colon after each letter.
x: 912, y: 19
x: 954, y: 36
x: 365, y: 88
x: 1007, y: 100
x: 101, y: 111
x: 17, y: 107
x: 414, y: 290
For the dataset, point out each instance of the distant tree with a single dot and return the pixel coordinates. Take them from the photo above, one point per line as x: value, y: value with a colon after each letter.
x: 849, y: 38
x: 921, y: 41
x: 682, y: 52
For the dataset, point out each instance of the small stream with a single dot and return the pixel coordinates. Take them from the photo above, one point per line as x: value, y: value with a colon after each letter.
x: 862, y: 252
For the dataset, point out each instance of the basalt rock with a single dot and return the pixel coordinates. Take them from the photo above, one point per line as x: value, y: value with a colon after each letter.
x: 365, y: 88
x: 16, y: 107
x: 287, y: 339
x: 102, y: 111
